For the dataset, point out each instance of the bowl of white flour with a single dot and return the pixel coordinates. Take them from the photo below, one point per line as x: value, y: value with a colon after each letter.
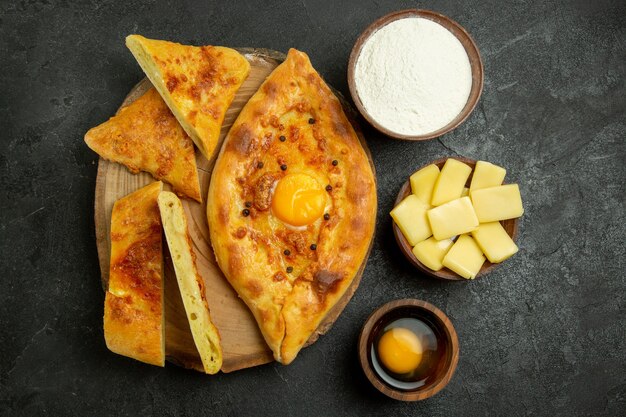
x: 415, y: 74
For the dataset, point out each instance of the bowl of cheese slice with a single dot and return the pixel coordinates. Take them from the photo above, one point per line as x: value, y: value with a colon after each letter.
x: 456, y: 219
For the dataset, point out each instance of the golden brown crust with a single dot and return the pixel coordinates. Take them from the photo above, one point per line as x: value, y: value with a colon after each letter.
x: 133, y: 307
x: 295, y: 103
x: 198, y: 83
x: 145, y: 136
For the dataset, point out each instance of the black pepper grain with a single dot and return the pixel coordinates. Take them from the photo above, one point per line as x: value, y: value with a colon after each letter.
x: 289, y: 269
x: 287, y: 252
x: 259, y: 165
x: 282, y: 138
x: 326, y: 216
x: 329, y: 187
x: 245, y: 212
x: 335, y: 162
x: 313, y: 246
x: 283, y: 167
x: 248, y: 204
x: 311, y: 121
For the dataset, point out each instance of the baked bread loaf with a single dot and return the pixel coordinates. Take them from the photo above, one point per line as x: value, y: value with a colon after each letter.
x: 292, y: 205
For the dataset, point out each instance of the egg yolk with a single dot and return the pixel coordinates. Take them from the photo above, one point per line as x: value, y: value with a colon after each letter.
x: 298, y: 199
x: 400, y: 350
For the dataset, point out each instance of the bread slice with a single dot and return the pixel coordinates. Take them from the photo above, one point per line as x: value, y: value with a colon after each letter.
x: 197, y: 83
x: 133, y: 305
x: 145, y: 136
x: 205, y: 335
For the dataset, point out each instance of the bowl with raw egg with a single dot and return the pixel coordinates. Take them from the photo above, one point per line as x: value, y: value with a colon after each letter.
x: 408, y: 349
x: 456, y: 218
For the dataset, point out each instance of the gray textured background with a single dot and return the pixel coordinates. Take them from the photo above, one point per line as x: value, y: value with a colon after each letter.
x: 542, y: 335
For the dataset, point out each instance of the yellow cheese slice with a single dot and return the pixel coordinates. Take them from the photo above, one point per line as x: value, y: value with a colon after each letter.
x: 497, y: 203
x: 430, y: 252
x: 465, y: 192
x: 410, y: 216
x: 453, y: 218
x: 495, y: 242
x: 464, y: 257
x: 423, y: 182
x: 450, y: 182
x: 205, y: 335
x: 487, y: 175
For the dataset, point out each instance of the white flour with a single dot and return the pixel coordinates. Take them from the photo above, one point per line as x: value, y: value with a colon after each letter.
x: 413, y: 76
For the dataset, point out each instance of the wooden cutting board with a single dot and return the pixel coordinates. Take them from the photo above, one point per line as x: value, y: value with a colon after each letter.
x: 242, y: 342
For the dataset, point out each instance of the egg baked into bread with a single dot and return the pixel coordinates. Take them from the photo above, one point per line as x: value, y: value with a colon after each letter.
x: 205, y: 335
x: 292, y: 205
x: 145, y: 136
x: 133, y: 306
x: 197, y: 83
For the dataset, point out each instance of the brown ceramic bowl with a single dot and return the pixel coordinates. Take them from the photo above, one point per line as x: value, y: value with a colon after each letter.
x: 437, y: 320
x: 458, y: 31
x: 510, y: 226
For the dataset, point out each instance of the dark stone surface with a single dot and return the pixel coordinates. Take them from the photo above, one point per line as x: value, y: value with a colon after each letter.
x: 543, y: 335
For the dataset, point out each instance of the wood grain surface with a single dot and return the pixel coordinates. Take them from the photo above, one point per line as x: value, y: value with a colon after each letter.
x: 242, y: 341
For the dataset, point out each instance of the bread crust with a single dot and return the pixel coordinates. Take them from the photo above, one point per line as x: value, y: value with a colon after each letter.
x: 198, y: 83
x: 145, y: 136
x: 133, y: 306
x: 294, y: 120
